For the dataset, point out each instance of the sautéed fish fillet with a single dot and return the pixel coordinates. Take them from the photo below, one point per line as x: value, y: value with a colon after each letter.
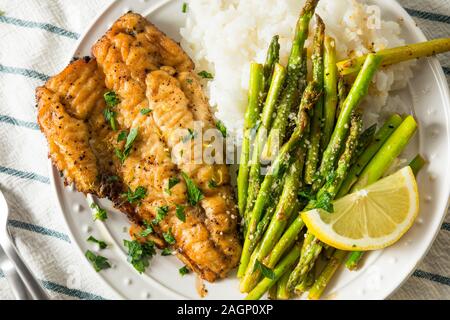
x: 147, y: 71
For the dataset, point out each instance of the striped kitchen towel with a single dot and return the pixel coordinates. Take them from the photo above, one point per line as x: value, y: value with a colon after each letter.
x: 36, y: 38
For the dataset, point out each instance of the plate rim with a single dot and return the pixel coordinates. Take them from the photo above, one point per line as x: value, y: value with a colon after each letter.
x: 440, y: 76
x: 433, y: 62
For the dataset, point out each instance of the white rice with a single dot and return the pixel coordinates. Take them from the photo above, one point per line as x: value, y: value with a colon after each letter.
x: 224, y: 36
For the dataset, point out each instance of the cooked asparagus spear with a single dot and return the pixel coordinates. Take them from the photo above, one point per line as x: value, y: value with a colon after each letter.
x: 266, y: 122
x: 380, y: 138
x: 279, y: 166
x: 327, y: 273
x: 342, y: 94
x: 398, y: 54
x: 251, y: 118
x: 364, y: 141
x: 312, y: 156
x: 272, y: 58
x: 330, y: 90
x: 339, y: 255
x: 285, y: 264
x: 388, y: 152
x: 272, y: 294
x: 310, y: 251
x: 307, y: 283
x: 312, y: 246
x: 362, y: 83
x: 295, y: 74
x: 264, y: 223
x: 417, y: 164
x: 287, y: 205
x: 378, y: 166
x: 282, y: 292
x: 357, y: 93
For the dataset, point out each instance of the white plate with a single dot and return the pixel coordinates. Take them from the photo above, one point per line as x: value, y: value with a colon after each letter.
x: 383, y: 272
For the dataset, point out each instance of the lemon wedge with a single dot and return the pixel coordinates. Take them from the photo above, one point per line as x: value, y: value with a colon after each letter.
x: 372, y: 218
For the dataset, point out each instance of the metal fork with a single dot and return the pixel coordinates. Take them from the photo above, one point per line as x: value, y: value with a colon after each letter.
x: 15, y: 261
x: 15, y: 283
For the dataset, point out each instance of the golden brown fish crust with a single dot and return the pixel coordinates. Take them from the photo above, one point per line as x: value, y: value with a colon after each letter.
x: 146, y: 70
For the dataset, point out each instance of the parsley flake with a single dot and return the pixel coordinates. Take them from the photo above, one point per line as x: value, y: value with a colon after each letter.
x: 112, y: 178
x: 324, y: 202
x: 221, y: 127
x: 190, y: 136
x: 183, y: 271
x: 168, y: 236
x: 145, y: 111
x: 173, y: 181
x: 110, y: 116
x: 122, y: 136
x: 111, y: 99
x: 122, y: 155
x: 148, y: 229
x: 306, y: 194
x: 212, y: 184
x: 184, y: 8
x: 179, y: 212
x: 166, y: 252
x: 139, y: 254
x: 267, y: 272
x: 193, y: 192
x: 137, y: 195
x: 98, y: 262
x: 161, y: 213
x: 99, y: 212
x: 101, y: 244
x: 205, y: 75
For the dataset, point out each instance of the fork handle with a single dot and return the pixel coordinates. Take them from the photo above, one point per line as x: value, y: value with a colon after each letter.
x: 18, y: 288
x: 32, y: 284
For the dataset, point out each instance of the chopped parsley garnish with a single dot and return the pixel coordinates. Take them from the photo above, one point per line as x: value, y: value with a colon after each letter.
x: 112, y: 178
x: 306, y: 194
x: 267, y: 272
x: 324, y: 202
x: 183, y: 271
x: 139, y: 254
x: 190, y: 136
x: 122, y: 155
x: 99, y: 213
x: 179, y: 212
x: 169, y: 237
x: 137, y: 195
x: 111, y: 100
x: 122, y: 136
x: 98, y: 262
x: 193, y: 192
x: 101, y: 244
x: 189, y: 81
x: 221, y: 127
x: 161, y: 213
x: 212, y: 184
x: 110, y: 116
x: 184, y: 8
x: 166, y: 252
x: 145, y: 111
x: 148, y: 229
x: 205, y: 75
x: 173, y: 181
